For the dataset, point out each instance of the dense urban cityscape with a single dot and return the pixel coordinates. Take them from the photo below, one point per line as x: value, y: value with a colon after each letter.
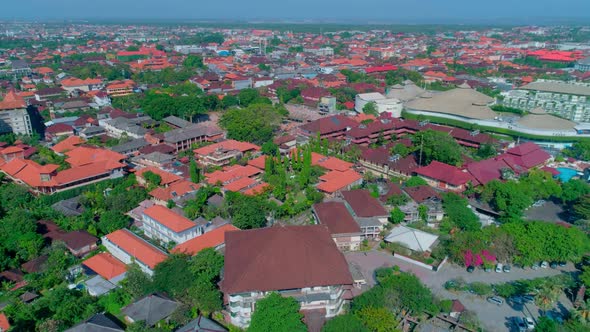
x: 294, y: 177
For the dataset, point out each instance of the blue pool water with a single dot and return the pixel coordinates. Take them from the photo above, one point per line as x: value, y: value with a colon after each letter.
x: 565, y: 174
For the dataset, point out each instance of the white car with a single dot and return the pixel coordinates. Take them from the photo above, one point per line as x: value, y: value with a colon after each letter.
x: 530, y: 324
x: 544, y: 264
x: 499, y: 268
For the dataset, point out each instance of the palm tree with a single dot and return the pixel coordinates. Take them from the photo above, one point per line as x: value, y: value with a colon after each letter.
x: 582, y: 313
x: 548, y: 295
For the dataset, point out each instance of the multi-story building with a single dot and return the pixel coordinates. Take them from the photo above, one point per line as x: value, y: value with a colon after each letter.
x: 567, y: 100
x: 161, y: 223
x: 382, y: 103
x: 301, y: 262
x: 345, y: 231
x: 222, y: 153
x: 129, y: 248
x: 583, y: 65
x: 17, y: 117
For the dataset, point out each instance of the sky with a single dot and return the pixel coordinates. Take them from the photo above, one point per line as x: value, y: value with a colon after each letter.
x: 363, y: 11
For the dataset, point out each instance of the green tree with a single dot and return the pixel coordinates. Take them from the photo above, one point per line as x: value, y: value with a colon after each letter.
x: 378, y: 319
x: 256, y: 123
x: 416, y: 181
x: 436, y: 145
x: 277, y: 313
x: 173, y: 275
x: 136, y: 282
x: 401, y: 149
x: 508, y: 198
x: 269, y: 148
x: 345, y: 323
x: 582, y: 207
x: 545, y: 324
x: 579, y: 150
x: 111, y: 221
x: 573, y: 189
x: 370, y: 108
x: 396, y: 216
x: 247, y: 211
x: 193, y: 62
x: 194, y: 171
x: 397, y: 200
x: 456, y: 209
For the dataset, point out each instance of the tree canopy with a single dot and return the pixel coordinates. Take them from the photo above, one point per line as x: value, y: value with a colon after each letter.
x: 436, y: 145
x: 277, y: 313
x: 256, y: 123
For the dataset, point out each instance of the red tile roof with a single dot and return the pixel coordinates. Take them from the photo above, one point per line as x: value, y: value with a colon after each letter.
x: 211, y: 239
x: 229, y: 144
x: 87, y: 155
x: 259, y: 162
x: 363, y: 204
x: 278, y: 258
x: 336, y: 217
x: 59, y: 128
x: 68, y: 144
x: 176, y: 189
x: 167, y: 177
x: 137, y: 247
x: 4, y: 325
x: 12, y: 101
x: 331, y: 124
x: 232, y: 173
x: 257, y: 189
x: 169, y: 218
x: 444, y: 173
x: 334, y: 181
x: 105, y: 265
x: 421, y: 193
x: 329, y: 163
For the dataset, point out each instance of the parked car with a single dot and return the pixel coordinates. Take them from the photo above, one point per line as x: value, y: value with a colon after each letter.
x: 528, y: 298
x: 506, y: 268
x: 488, y: 269
x: 544, y: 264
x: 530, y: 324
x: 562, y: 264
x: 535, y: 266
x: 470, y: 268
x: 495, y: 300
x: 520, y: 324
x: 499, y: 268
x: 517, y: 300
x: 553, y: 265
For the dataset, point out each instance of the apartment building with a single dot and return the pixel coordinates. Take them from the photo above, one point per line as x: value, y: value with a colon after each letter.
x: 161, y: 223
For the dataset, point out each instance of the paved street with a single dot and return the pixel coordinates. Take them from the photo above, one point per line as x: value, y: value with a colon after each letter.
x: 493, y: 317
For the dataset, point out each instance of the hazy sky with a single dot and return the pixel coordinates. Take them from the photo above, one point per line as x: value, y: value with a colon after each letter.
x: 360, y: 10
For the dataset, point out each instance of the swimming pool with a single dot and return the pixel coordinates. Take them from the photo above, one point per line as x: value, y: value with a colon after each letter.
x: 565, y: 174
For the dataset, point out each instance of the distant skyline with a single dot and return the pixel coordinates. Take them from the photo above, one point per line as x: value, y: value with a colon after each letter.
x: 367, y: 11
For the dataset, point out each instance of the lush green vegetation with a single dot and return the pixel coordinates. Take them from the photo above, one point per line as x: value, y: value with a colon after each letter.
x: 256, y: 123
x: 437, y: 145
x: 507, y: 109
x: 277, y: 313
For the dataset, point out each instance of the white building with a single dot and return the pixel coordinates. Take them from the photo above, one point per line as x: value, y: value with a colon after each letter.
x: 161, y: 223
x: 14, y: 116
x: 383, y: 104
x: 567, y: 100
x: 129, y: 248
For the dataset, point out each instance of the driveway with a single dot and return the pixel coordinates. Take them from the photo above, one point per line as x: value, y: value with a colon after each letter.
x: 492, y: 317
x: 549, y: 212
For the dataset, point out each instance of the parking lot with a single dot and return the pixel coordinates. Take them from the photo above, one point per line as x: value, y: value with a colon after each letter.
x: 493, y: 317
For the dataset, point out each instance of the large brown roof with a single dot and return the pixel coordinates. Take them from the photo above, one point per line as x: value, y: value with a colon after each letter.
x: 280, y: 258
x: 363, y: 204
x: 335, y: 215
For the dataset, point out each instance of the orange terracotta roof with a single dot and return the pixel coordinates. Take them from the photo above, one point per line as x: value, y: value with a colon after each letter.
x: 257, y: 189
x: 76, y: 82
x: 86, y: 155
x: 4, y: 325
x: 334, y: 181
x: 329, y: 163
x: 167, y: 177
x: 137, y: 247
x: 258, y: 162
x: 232, y: 173
x: 11, y: 149
x: 68, y: 144
x: 210, y: 239
x: 86, y: 171
x: 12, y: 101
x: 169, y: 218
x: 229, y: 144
x: 176, y: 189
x: 105, y: 265
x: 239, y: 184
